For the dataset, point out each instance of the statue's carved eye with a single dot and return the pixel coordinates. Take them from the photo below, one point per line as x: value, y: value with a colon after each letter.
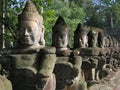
x: 29, y: 30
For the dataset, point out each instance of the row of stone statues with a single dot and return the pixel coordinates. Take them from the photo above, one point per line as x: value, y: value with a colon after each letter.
x: 32, y: 66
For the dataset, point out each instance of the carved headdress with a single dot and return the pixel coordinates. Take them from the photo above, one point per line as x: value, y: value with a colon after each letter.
x: 61, y: 27
x: 80, y: 37
x: 60, y: 21
x: 80, y: 28
x: 30, y: 13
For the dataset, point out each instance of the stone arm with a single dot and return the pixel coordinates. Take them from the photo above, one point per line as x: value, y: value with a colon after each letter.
x: 46, y: 62
x: 76, y: 61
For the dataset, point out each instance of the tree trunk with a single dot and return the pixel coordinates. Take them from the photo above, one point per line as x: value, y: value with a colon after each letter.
x: 3, y: 25
x: 111, y: 19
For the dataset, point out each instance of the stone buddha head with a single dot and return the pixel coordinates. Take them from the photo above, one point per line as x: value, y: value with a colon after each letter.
x: 60, y: 35
x: 80, y: 37
x: 30, y: 28
x: 92, y: 38
x: 101, y: 39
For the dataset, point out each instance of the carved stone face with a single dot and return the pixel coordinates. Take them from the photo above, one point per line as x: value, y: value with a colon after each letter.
x: 101, y: 40
x: 81, y: 39
x: 29, y: 33
x: 60, y: 39
x: 92, y: 38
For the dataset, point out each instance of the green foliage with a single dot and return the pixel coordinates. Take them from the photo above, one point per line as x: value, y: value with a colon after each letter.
x: 71, y: 15
x: 73, y: 11
x: 109, y: 12
x: 13, y: 9
x: 49, y: 20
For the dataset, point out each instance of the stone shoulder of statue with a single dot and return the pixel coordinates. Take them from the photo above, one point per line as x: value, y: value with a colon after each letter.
x: 63, y: 52
x: 48, y: 50
x: 76, y: 59
x: 68, y: 52
x: 5, y: 57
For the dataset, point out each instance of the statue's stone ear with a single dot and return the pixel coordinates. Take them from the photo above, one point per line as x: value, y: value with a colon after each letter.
x: 43, y: 29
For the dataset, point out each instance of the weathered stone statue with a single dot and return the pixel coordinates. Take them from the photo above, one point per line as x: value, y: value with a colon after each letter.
x: 31, y: 64
x: 67, y: 68
x: 101, y: 71
x: 60, y: 35
x: 101, y: 39
x: 109, y: 51
x: 30, y: 28
x: 92, y: 38
x: 90, y: 56
x: 80, y: 37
